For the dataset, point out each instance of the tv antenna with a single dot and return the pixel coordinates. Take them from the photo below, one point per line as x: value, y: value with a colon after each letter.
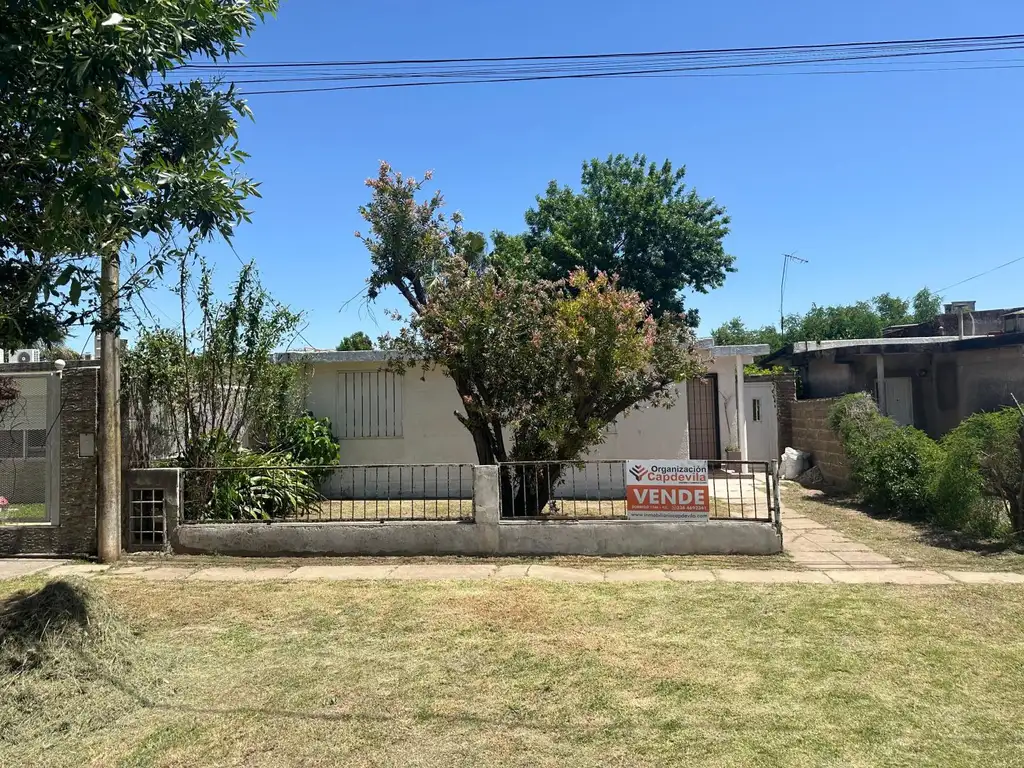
x: 786, y: 259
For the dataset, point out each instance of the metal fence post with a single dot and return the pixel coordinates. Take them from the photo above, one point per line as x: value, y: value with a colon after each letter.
x: 775, y: 495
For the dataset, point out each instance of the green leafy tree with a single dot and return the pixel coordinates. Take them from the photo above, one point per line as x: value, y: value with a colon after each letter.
x: 861, y: 320
x: 194, y: 390
x: 541, y: 367
x: 355, y: 342
x: 926, y: 305
x: 101, y: 155
x: 633, y: 219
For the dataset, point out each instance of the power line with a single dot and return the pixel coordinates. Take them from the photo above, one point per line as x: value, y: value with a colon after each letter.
x: 827, y: 58
x: 981, y: 274
x: 934, y: 41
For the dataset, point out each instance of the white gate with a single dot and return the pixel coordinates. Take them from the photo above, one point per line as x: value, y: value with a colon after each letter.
x: 29, y: 450
x: 762, y: 421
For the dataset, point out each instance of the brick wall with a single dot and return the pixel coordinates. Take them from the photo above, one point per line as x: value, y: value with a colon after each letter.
x: 75, y: 532
x: 811, y: 433
x: 785, y: 397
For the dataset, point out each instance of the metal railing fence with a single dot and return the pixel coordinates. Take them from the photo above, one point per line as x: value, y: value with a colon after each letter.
x: 371, y: 492
x: 596, y: 490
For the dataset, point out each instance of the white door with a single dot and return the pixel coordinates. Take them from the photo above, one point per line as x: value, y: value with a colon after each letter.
x: 899, y: 401
x: 762, y: 421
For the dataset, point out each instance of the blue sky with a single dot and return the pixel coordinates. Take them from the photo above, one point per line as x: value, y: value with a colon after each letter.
x: 884, y: 182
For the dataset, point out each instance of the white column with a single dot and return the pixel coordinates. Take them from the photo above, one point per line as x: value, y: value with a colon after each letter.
x: 741, y: 421
x: 880, y: 380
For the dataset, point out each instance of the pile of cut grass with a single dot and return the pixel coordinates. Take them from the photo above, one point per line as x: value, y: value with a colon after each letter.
x: 56, y: 642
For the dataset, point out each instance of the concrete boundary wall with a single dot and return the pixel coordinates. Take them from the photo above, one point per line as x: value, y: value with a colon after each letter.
x: 486, y: 535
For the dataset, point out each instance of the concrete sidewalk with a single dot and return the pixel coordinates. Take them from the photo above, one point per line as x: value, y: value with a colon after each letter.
x: 10, y: 569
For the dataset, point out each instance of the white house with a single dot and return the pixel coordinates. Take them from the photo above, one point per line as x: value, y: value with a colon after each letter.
x: 384, y: 418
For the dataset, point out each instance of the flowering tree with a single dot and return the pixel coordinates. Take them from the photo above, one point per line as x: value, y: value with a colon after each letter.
x: 542, y: 367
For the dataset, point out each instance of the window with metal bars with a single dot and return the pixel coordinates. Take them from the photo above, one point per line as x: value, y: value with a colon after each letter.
x: 370, y: 404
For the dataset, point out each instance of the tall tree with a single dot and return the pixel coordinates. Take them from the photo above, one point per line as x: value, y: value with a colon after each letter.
x: 541, y: 367
x: 630, y: 218
x: 100, y: 154
x: 355, y: 342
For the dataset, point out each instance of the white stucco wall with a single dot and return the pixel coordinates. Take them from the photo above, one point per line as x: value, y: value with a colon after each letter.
x: 432, y: 434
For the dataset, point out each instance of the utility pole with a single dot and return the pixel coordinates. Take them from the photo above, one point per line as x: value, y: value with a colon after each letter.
x: 786, y: 258
x: 108, y: 442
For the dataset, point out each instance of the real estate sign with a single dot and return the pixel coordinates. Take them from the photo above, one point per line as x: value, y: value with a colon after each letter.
x: 665, y: 489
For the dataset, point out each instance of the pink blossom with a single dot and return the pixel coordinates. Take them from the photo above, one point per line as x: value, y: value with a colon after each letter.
x: 3, y: 502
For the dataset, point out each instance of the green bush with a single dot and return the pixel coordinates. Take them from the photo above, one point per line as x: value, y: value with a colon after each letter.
x: 855, y: 419
x: 985, y: 474
x: 311, y: 442
x: 246, y: 485
x: 961, y: 501
x: 903, y: 468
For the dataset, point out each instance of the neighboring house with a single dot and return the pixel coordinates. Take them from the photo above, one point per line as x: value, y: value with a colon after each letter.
x: 930, y: 382
x: 384, y: 418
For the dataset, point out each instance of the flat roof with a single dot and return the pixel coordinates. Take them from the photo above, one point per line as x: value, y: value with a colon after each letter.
x: 898, y: 345
x: 379, y: 356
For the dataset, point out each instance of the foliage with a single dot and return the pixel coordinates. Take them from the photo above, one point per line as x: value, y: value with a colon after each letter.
x: 904, y: 467
x: 547, y: 363
x: 969, y: 483
x: 855, y: 419
x: 753, y: 369
x: 98, y: 150
x: 633, y: 219
x: 265, y: 485
x: 355, y: 342
x: 217, y: 378
x: 861, y: 320
x: 311, y: 442
x: 990, y: 447
x: 961, y: 500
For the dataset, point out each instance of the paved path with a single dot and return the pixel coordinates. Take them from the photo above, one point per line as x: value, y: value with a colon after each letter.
x: 826, y: 557
x: 10, y: 569
x: 818, y: 547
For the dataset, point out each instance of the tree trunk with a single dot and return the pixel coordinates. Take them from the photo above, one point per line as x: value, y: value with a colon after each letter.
x: 529, y: 488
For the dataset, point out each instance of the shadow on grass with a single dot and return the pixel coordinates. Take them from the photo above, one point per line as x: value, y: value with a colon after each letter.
x: 928, y: 533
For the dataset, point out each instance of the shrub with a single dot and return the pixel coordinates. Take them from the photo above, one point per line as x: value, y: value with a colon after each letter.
x: 311, y: 442
x: 961, y: 500
x: 855, y: 419
x: 903, y: 468
x: 266, y: 485
x: 986, y: 447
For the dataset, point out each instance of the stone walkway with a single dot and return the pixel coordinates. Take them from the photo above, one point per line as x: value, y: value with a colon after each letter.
x: 818, y: 547
x: 824, y: 555
x: 15, y: 568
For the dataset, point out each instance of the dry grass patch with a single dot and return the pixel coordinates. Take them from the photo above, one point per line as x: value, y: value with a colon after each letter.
x: 529, y: 674
x: 664, y: 562
x: 906, y: 543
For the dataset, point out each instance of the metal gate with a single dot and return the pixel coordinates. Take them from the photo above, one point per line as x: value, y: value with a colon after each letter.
x: 29, y: 466
x: 702, y: 415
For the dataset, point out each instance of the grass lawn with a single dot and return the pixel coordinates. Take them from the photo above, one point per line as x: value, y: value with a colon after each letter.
x: 663, y: 562
x: 23, y: 513
x: 526, y: 674
x: 904, y: 542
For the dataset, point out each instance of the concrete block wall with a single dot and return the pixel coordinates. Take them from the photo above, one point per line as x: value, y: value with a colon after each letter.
x: 811, y: 433
x: 75, y: 530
